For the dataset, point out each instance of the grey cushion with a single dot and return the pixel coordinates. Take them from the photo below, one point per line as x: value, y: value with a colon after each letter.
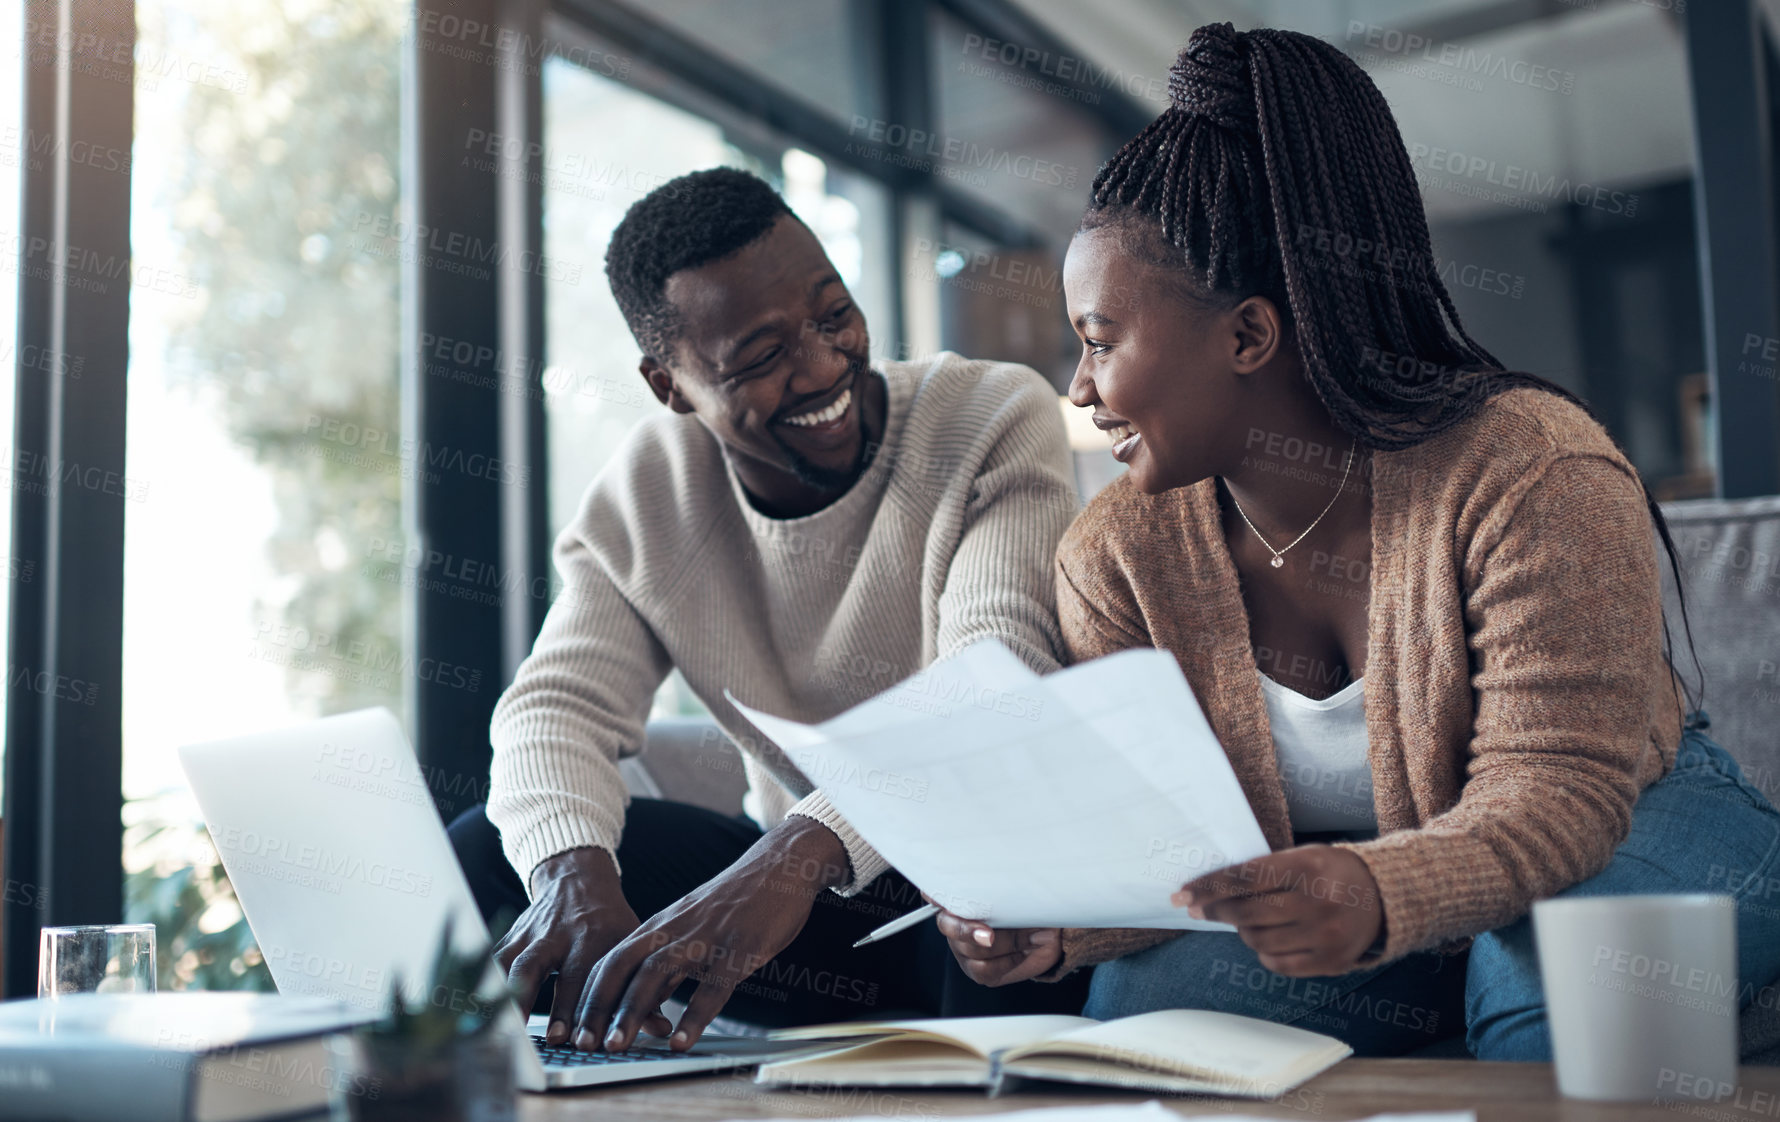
x: 1730, y: 553
x: 688, y: 760
x: 1730, y: 558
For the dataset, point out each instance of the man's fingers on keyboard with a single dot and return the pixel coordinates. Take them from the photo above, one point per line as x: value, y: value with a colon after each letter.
x: 707, y: 1001
x: 569, y: 984
x: 653, y: 983
x: 599, y: 997
x: 527, y: 974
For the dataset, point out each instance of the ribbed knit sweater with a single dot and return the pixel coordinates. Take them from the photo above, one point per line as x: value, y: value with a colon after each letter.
x: 948, y: 537
x: 1517, y: 697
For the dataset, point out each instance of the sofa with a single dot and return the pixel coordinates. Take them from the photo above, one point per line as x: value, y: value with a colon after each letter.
x: 1730, y: 554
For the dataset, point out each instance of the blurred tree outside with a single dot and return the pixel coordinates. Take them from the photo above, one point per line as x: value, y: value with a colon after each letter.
x: 295, y: 334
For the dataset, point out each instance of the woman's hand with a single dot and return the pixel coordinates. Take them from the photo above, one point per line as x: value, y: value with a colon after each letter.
x: 1306, y: 912
x: 1000, y: 958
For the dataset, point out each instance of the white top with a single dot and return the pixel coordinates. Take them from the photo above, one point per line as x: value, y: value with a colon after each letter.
x: 1321, y: 747
x: 947, y: 538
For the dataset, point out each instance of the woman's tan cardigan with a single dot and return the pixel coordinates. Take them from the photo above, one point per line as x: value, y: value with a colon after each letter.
x: 1517, y: 698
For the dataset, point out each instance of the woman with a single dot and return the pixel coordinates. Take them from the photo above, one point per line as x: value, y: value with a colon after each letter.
x: 1417, y: 595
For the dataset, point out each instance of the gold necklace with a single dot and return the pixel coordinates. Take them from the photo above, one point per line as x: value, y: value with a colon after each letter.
x: 1279, y: 559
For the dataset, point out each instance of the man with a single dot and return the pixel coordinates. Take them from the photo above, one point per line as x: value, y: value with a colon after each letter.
x: 804, y: 531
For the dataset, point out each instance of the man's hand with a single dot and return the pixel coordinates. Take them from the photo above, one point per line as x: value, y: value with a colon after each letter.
x: 1306, y: 912
x: 717, y: 935
x: 999, y: 958
x: 577, y: 914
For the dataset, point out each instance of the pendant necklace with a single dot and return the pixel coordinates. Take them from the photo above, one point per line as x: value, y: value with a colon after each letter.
x: 1279, y: 559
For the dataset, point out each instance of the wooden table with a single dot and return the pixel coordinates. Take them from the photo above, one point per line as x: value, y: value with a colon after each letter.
x: 1353, y: 1089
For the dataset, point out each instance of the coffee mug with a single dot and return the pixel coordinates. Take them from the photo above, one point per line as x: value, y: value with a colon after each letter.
x: 1641, y: 995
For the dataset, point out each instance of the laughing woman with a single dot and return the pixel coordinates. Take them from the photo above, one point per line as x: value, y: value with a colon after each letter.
x: 1417, y: 595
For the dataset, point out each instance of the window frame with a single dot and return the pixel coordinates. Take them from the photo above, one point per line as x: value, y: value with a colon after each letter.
x: 64, y: 757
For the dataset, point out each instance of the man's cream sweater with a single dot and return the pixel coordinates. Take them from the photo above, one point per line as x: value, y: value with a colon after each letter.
x: 947, y: 538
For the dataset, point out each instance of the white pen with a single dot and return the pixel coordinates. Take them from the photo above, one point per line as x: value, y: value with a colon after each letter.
x: 902, y: 924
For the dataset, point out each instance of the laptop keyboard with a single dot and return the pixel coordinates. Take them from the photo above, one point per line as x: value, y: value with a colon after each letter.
x: 562, y: 1055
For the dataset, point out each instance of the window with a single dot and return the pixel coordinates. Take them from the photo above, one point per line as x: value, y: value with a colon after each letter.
x: 807, y: 48
x: 263, y: 427
x: 1005, y: 141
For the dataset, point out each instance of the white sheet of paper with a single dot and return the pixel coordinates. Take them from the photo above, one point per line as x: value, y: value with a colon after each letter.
x: 1081, y: 799
x: 1154, y: 1111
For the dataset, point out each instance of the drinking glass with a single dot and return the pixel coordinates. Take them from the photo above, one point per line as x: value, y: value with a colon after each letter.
x: 116, y: 958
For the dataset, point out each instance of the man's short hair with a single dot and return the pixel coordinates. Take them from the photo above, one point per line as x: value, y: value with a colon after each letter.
x: 685, y: 223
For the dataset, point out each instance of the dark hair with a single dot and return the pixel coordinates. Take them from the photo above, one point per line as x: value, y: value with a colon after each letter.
x: 685, y: 223
x: 1278, y: 170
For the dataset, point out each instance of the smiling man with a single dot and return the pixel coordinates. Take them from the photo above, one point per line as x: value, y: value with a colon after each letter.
x: 802, y: 529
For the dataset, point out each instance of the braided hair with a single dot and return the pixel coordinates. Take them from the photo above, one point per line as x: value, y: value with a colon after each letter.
x: 1278, y: 170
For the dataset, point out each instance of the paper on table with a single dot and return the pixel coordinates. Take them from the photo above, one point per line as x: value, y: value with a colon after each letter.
x: 1081, y: 799
x: 1154, y: 1111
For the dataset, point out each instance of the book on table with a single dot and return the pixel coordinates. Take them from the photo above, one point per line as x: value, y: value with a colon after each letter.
x: 1178, y: 1050
x: 169, y: 1057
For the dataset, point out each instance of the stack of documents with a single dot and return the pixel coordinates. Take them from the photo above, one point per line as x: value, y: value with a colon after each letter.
x: 1080, y: 799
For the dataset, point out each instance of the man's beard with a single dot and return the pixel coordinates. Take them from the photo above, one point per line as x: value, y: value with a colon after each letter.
x: 831, y: 479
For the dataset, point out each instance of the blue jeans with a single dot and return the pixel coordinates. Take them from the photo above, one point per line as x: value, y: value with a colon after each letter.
x: 1701, y: 828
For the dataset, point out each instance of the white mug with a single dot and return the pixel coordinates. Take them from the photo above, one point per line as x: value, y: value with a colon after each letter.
x: 1641, y: 995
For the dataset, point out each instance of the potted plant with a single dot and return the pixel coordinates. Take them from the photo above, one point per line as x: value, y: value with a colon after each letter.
x: 441, y: 1059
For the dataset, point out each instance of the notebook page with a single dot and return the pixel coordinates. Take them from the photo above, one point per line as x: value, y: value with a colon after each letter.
x: 1224, y: 1044
x: 982, y: 1035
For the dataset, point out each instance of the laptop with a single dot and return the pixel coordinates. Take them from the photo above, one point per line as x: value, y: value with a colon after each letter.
x: 346, y: 876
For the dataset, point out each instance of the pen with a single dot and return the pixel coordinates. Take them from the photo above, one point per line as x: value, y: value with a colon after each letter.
x: 902, y: 924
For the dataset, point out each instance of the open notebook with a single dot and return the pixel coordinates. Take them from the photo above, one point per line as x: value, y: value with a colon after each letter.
x: 1180, y: 1050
